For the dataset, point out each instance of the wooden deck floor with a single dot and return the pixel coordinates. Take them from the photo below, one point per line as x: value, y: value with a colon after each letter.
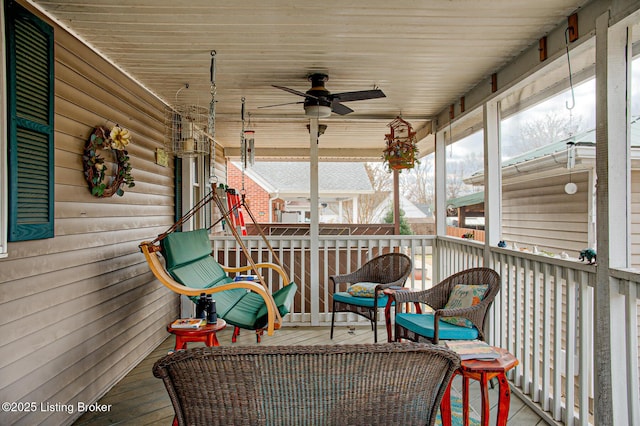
x: 141, y: 399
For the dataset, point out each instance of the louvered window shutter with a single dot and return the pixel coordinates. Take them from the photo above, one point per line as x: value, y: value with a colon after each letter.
x: 31, y: 111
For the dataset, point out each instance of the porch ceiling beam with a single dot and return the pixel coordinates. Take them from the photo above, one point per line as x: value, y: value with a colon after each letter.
x: 334, y: 154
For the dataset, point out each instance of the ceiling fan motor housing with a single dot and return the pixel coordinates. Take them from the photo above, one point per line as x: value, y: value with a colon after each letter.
x: 318, y: 91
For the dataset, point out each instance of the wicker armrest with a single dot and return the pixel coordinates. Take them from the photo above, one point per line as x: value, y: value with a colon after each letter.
x: 433, y: 297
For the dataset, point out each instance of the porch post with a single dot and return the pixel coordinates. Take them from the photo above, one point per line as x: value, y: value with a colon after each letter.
x: 492, y: 178
x: 440, y: 200
x: 396, y: 202
x: 314, y: 226
x: 612, y: 216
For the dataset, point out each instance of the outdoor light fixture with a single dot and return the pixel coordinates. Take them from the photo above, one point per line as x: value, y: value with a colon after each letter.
x: 571, y: 188
x: 317, y: 111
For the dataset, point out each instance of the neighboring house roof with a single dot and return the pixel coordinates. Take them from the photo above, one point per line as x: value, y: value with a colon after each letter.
x: 411, y: 210
x: 554, y: 155
x: 466, y: 200
x: 293, y: 178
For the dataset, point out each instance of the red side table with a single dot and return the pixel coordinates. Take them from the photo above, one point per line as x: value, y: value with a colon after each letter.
x: 206, y: 334
x: 482, y: 371
x: 387, y: 309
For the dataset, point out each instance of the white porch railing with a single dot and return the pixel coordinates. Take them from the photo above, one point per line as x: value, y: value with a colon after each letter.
x: 337, y: 255
x: 543, y: 314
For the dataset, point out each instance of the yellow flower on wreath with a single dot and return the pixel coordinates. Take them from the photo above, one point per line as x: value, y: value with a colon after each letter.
x: 120, y: 138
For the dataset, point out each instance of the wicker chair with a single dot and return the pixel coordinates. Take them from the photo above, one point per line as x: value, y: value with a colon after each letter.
x: 414, y: 326
x: 387, y: 270
x: 386, y: 384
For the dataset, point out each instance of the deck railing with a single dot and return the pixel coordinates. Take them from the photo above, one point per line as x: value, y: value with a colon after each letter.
x: 338, y: 254
x: 544, y: 313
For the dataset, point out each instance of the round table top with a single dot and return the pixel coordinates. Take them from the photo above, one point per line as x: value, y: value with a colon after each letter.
x: 207, y: 328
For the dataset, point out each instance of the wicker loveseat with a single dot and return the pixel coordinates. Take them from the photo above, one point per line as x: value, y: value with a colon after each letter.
x: 390, y: 383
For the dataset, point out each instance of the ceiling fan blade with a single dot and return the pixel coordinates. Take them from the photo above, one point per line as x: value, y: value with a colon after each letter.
x: 295, y: 92
x: 277, y: 105
x: 359, y: 95
x: 338, y: 108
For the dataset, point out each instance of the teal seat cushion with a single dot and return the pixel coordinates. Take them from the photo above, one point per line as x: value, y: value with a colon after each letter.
x: 344, y: 297
x: 251, y: 311
x: 225, y: 300
x: 422, y: 324
x: 245, y: 313
x: 283, y: 299
x: 201, y: 273
x: 179, y: 248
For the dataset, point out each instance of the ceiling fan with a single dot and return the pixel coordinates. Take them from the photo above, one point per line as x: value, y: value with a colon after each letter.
x: 319, y: 102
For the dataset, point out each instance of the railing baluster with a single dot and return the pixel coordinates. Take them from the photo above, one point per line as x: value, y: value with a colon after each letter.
x: 546, y: 340
x: 570, y: 347
x: 537, y: 329
x: 585, y: 350
x: 557, y: 347
x: 526, y: 323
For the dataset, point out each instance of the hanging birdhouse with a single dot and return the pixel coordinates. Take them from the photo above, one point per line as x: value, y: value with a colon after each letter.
x: 402, y: 148
x: 187, y: 132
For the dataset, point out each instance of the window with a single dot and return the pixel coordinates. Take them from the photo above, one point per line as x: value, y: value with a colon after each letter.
x: 30, y: 129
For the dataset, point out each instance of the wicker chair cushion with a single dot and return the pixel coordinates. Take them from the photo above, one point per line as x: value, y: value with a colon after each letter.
x: 464, y: 296
x: 363, y: 289
x: 345, y: 297
x: 423, y: 325
x: 179, y: 248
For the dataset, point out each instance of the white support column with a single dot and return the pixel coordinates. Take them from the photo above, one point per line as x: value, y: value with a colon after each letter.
x: 440, y: 184
x: 492, y: 177
x: 314, y: 226
x: 188, y: 178
x: 440, y: 198
x: 612, y: 168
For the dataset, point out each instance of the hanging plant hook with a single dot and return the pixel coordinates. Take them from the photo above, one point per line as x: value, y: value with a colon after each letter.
x: 573, y: 98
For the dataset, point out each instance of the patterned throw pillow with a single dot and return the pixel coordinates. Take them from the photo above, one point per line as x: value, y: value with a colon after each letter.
x: 464, y: 296
x: 363, y: 289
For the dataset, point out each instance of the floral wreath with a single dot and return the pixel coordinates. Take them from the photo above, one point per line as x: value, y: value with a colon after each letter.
x: 115, y: 139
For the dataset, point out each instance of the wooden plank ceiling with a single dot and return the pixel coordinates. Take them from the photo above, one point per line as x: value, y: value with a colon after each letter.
x: 424, y: 55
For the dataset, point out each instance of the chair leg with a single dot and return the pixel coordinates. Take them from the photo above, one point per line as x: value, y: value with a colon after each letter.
x: 333, y: 318
x: 374, y: 325
x: 236, y: 332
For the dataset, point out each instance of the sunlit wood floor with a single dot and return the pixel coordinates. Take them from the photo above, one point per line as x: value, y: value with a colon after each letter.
x: 141, y: 399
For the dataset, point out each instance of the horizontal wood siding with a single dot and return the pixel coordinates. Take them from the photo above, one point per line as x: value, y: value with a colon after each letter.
x: 539, y: 213
x: 78, y: 311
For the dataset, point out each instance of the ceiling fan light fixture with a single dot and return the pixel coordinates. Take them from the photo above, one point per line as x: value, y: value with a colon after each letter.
x: 318, y: 111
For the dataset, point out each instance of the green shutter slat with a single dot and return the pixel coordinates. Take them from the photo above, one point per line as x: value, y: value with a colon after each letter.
x: 32, y: 72
x: 33, y: 177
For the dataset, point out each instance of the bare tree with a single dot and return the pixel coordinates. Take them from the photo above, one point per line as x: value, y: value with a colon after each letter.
x: 382, y: 183
x: 417, y: 185
x: 553, y: 127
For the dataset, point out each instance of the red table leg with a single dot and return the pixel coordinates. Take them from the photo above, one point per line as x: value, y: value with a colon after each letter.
x: 504, y: 400
x: 465, y: 400
x: 445, y: 405
x: 484, y: 394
